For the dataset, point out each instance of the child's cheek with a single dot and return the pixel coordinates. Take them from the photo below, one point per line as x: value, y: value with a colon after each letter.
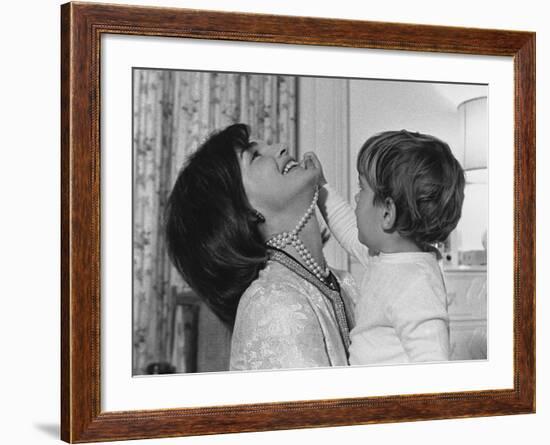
x: 359, y: 222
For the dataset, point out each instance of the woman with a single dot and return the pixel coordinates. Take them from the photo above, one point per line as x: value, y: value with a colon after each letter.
x: 242, y: 231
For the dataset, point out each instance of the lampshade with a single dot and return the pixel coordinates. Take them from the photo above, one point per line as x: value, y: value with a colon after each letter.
x: 475, y: 145
x: 474, y: 133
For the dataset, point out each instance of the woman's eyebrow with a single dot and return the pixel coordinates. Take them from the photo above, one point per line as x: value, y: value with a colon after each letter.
x: 247, y: 148
x: 242, y: 151
x: 243, y: 157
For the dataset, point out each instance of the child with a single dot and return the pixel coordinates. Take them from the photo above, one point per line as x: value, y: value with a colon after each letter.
x: 411, y: 193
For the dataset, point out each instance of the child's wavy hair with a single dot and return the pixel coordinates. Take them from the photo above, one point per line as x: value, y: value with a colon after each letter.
x: 422, y: 177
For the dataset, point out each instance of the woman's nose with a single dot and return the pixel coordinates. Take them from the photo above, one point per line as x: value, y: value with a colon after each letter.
x: 275, y: 150
x: 356, y: 197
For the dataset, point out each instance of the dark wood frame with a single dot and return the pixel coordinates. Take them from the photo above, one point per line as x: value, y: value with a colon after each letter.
x: 82, y: 25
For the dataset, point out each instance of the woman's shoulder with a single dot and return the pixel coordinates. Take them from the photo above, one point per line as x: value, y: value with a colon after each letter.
x: 274, y: 285
x: 276, y: 326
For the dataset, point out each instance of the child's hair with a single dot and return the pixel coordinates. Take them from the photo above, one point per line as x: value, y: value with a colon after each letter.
x: 423, y: 178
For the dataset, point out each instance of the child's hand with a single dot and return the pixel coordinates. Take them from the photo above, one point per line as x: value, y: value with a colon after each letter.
x: 312, y: 157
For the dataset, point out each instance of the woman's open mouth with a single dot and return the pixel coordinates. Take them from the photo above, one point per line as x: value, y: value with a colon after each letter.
x: 289, y: 166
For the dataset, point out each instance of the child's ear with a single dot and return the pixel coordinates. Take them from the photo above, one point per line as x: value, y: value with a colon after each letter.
x: 389, y: 214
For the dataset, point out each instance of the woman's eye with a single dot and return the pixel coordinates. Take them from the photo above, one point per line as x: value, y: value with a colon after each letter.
x: 255, y: 155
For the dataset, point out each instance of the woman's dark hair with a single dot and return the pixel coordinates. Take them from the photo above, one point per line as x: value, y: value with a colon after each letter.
x: 211, y: 230
x: 423, y: 178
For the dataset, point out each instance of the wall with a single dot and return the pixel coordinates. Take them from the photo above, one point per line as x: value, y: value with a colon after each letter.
x: 323, y: 128
x: 385, y: 105
x: 29, y: 181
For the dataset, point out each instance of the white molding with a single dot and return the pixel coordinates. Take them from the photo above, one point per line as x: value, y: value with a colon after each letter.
x: 323, y: 127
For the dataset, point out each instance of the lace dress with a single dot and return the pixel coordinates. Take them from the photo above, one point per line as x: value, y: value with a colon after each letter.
x: 287, y: 318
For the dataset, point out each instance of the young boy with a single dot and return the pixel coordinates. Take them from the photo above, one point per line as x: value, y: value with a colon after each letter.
x: 411, y: 194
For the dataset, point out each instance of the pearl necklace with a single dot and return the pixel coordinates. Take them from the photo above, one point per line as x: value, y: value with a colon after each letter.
x: 281, y: 240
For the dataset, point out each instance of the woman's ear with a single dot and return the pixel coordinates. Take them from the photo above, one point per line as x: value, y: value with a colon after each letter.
x: 389, y: 214
x: 258, y: 217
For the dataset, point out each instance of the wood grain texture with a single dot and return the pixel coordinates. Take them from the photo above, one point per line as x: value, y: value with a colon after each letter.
x: 81, y: 29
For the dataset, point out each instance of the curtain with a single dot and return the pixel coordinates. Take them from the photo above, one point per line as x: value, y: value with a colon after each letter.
x: 173, y: 113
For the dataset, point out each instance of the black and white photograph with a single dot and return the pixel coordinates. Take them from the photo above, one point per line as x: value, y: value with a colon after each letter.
x: 275, y: 222
x: 290, y: 222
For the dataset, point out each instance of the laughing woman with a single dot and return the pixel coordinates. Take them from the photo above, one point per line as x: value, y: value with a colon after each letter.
x: 242, y: 231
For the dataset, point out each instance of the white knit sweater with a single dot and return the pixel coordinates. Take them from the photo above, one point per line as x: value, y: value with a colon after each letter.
x: 401, y: 315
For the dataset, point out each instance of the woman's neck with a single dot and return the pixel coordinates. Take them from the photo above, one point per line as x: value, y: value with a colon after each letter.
x: 310, y: 236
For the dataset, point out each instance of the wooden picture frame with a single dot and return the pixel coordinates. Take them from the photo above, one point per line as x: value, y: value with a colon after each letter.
x: 82, y: 25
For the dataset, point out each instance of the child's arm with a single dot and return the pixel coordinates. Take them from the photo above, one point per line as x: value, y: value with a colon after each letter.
x: 421, y: 321
x: 338, y: 215
x: 342, y: 223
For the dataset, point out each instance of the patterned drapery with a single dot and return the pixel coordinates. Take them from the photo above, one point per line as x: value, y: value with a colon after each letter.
x: 173, y: 112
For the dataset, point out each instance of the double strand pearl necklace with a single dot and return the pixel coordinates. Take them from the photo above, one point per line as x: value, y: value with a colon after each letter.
x: 281, y: 240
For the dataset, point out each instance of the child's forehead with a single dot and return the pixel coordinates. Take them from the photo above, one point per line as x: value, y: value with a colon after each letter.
x: 364, y: 183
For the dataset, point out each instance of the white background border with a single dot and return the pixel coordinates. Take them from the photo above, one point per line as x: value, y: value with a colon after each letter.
x: 122, y: 392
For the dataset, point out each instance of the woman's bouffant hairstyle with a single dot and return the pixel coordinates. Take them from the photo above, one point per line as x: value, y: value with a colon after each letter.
x: 422, y: 177
x: 211, y: 230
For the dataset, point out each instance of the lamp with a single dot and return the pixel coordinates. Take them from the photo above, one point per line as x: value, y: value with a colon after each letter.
x: 474, y: 137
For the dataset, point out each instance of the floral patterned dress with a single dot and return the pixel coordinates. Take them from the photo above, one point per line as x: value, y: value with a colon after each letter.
x: 287, y: 318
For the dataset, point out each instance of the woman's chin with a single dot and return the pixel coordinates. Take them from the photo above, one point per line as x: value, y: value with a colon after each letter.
x: 310, y: 176
x: 300, y: 179
x: 308, y: 185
